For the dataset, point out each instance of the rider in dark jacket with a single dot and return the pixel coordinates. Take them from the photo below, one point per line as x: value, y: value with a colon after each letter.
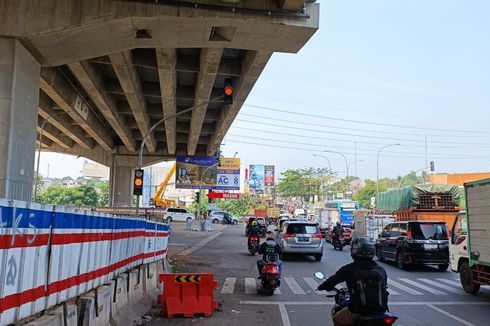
x: 253, y: 230
x: 337, y: 231
x: 362, y: 252
x: 270, y: 246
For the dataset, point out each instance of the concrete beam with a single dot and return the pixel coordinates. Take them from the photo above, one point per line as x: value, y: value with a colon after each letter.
x: 252, y: 66
x: 291, y: 5
x: 166, y: 60
x: 92, y: 81
x: 54, y: 134
x: 62, y: 122
x: 209, y: 62
x: 131, y: 85
x: 56, y: 86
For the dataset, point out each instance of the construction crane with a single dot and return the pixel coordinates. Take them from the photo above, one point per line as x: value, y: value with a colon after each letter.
x: 158, y: 197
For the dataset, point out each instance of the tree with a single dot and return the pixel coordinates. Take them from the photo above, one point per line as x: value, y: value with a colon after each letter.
x: 364, y: 195
x: 84, y: 195
x: 239, y: 206
x: 104, y: 194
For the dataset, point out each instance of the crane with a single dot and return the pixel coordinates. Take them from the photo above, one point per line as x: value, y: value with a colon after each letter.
x: 158, y: 197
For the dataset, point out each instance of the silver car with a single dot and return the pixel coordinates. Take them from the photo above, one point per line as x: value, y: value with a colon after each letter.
x: 301, y: 237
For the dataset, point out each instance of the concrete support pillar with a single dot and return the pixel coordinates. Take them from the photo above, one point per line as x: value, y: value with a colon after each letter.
x: 121, y: 182
x: 19, y: 99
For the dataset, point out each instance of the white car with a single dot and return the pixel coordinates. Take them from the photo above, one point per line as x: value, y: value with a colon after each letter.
x: 217, y: 217
x: 177, y: 214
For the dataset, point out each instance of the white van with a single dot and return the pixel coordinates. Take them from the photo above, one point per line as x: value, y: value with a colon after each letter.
x: 370, y: 225
x: 177, y: 214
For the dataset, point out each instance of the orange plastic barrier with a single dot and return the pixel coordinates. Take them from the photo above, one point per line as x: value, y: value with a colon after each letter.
x: 188, y: 294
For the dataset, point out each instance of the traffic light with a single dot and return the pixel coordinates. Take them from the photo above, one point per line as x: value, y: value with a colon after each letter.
x: 138, y: 182
x: 228, y: 90
x: 198, y: 196
x: 432, y: 166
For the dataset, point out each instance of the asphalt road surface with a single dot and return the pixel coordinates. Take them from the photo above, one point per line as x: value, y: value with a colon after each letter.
x: 418, y: 296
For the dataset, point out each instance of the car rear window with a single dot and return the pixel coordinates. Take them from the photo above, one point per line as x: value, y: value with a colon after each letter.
x: 303, y: 228
x: 426, y: 231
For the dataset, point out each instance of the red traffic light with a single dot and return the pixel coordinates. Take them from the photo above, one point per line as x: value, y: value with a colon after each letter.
x: 228, y: 90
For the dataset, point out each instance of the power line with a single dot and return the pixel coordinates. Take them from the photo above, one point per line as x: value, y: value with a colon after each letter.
x: 361, y: 122
x: 352, y: 134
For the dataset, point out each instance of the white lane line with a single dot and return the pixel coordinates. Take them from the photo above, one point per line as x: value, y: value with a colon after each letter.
x: 278, y: 291
x: 421, y: 286
x: 200, y: 244
x: 403, y: 287
x: 462, y: 321
x: 393, y: 292
x: 458, y: 284
x: 293, y: 285
x: 229, y: 285
x: 284, y: 315
x: 442, y: 286
x: 402, y: 303
x: 312, y: 283
x: 250, y: 286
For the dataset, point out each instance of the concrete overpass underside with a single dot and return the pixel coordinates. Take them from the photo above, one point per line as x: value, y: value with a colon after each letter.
x: 108, y: 70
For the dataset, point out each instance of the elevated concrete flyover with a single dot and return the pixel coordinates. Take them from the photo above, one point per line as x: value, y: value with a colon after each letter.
x: 101, y: 73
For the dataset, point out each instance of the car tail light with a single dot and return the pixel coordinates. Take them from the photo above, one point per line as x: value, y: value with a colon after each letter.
x: 289, y: 235
x: 448, y: 234
x: 254, y: 238
x: 317, y: 236
x: 389, y: 320
x: 409, y: 234
x: 460, y: 239
x: 394, y: 241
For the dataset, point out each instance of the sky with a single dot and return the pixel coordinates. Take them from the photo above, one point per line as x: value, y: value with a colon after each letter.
x: 376, y: 73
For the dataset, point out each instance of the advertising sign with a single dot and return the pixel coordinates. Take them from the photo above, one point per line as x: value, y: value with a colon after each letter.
x: 196, y: 172
x: 269, y: 179
x: 228, y: 174
x: 203, y: 172
x: 256, y: 179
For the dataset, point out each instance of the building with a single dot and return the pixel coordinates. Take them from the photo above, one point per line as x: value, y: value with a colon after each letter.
x: 457, y: 178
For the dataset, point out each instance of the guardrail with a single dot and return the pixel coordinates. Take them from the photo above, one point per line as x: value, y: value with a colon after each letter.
x: 49, y: 254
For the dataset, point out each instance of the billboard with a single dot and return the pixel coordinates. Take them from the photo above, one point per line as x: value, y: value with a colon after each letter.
x: 206, y: 172
x: 196, y: 172
x: 228, y: 174
x: 256, y: 179
x: 269, y: 179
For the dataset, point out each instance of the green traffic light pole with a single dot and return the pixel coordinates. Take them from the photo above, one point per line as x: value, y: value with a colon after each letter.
x: 145, y: 138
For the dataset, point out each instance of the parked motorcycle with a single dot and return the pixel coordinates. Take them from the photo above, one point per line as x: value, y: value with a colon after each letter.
x: 338, y: 243
x: 253, y: 244
x: 342, y: 299
x: 271, y: 275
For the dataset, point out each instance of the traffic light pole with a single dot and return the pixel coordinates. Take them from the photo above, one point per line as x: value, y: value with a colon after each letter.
x: 145, y: 138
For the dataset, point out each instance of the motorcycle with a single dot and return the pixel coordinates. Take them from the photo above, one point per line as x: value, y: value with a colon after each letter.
x: 342, y: 299
x: 253, y: 244
x: 228, y: 220
x: 271, y: 275
x: 338, y: 243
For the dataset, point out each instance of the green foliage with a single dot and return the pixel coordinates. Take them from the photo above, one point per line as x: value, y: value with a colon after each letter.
x: 104, y: 194
x: 239, y: 206
x: 84, y: 195
x: 303, y: 182
x: 364, y: 195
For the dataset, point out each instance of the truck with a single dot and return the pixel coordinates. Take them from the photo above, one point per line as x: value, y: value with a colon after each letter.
x: 327, y: 217
x: 424, y: 202
x: 371, y: 225
x: 469, y: 248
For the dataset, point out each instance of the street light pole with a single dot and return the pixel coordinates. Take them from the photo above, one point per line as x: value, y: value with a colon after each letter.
x: 39, y: 151
x: 377, y: 164
x: 355, y: 162
x: 159, y: 122
x: 346, y: 163
x: 329, y: 165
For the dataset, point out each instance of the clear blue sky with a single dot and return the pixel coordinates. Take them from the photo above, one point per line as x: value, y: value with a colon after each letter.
x: 417, y: 63
x: 422, y: 64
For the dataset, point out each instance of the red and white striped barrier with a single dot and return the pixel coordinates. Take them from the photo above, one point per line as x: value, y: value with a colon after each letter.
x: 50, y: 254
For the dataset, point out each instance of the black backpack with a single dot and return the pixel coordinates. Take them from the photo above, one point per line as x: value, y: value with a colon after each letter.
x: 369, y: 291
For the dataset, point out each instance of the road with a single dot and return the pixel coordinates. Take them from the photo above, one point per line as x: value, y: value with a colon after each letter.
x: 419, y: 296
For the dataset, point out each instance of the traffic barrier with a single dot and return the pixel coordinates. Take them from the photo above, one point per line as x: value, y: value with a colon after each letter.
x: 188, y: 294
x: 196, y: 226
x: 52, y: 254
x: 150, y: 279
x: 208, y: 226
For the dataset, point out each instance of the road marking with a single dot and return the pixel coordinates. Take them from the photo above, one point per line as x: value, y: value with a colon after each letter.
x: 312, y: 283
x: 403, y: 287
x: 229, y: 285
x: 393, y: 292
x: 293, y: 285
x: 278, y: 291
x: 399, y: 303
x: 442, y: 286
x: 462, y: 321
x: 284, y: 315
x: 449, y: 282
x: 421, y: 286
x: 200, y: 244
x: 250, y: 286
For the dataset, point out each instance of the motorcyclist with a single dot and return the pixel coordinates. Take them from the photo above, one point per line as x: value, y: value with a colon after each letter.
x: 254, y: 230
x: 362, y: 252
x: 270, y: 246
x: 337, y: 231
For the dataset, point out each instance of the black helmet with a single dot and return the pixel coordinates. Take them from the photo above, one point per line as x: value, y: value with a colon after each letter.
x: 362, y: 248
